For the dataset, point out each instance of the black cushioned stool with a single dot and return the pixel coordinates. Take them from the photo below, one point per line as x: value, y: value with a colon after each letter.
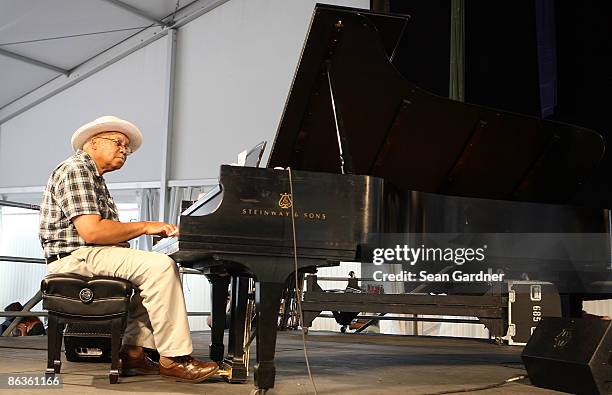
x: 71, y: 298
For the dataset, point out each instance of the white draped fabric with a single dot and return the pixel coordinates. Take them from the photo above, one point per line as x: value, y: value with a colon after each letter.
x: 148, y: 208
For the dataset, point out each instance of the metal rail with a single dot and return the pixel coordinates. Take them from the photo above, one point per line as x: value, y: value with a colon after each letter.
x: 343, y: 278
x: 21, y: 259
x: 19, y: 205
x: 423, y: 319
x: 44, y: 313
x: 23, y: 313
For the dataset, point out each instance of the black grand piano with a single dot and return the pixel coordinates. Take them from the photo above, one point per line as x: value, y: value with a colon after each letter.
x: 371, y: 153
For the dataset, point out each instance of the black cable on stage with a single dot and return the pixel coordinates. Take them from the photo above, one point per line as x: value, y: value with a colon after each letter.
x: 475, y: 389
x: 298, y: 295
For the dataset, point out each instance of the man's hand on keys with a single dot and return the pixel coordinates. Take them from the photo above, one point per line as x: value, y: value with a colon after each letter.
x: 161, y: 229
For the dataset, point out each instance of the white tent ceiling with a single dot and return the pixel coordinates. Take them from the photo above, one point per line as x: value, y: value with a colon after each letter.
x: 43, y: 39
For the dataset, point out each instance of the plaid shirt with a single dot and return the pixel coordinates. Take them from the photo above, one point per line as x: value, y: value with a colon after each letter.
x: 74, y: 188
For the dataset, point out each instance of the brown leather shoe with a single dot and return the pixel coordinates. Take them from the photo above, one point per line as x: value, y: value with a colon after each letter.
x: 137, y: 366
x: 188, y: 369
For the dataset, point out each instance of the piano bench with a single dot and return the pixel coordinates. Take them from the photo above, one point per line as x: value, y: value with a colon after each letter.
x: 71, y: 298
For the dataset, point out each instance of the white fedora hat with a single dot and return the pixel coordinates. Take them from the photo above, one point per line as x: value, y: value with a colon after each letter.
x: 107, y: 123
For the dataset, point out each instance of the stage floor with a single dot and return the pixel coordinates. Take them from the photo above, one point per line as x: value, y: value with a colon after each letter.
x: 340, y: 363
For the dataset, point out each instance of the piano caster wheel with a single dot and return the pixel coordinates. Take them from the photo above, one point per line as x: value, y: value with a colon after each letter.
x: 343, y: 329
x: 49, y: 374
x: 499, y: 341
x: 259, y: 391
x: 305, y: 330
x: 113, y: 377
x: 225, y: 373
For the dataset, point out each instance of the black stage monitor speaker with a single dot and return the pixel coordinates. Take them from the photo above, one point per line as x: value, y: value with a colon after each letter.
x: 571, y: 355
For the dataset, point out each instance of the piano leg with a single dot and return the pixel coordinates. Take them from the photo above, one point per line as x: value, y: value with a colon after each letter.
x: 219, y: 301
x: 235, y: 361
x: 267, y: 300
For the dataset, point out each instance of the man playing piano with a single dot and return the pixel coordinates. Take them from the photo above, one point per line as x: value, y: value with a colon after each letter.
x: 80, y: 233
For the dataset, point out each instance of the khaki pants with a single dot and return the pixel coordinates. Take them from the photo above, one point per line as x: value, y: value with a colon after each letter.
x: 157, y: 316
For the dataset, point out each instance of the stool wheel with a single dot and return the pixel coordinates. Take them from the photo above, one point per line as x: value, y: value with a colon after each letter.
x: 113, y: 376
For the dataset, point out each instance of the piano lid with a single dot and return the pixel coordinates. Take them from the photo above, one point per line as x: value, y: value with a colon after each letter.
x: 347, y: 97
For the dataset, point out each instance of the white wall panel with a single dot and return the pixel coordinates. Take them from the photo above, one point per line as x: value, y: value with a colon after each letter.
x: 19, y: 237
x: 196, y: 289
x: 20, y: 282
x: 598, y: 307
x: 342, y: 271
x: 235, y: 65
x: 32, y: 143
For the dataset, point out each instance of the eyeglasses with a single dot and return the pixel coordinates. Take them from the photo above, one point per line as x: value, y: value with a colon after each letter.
x: 119, y: 144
